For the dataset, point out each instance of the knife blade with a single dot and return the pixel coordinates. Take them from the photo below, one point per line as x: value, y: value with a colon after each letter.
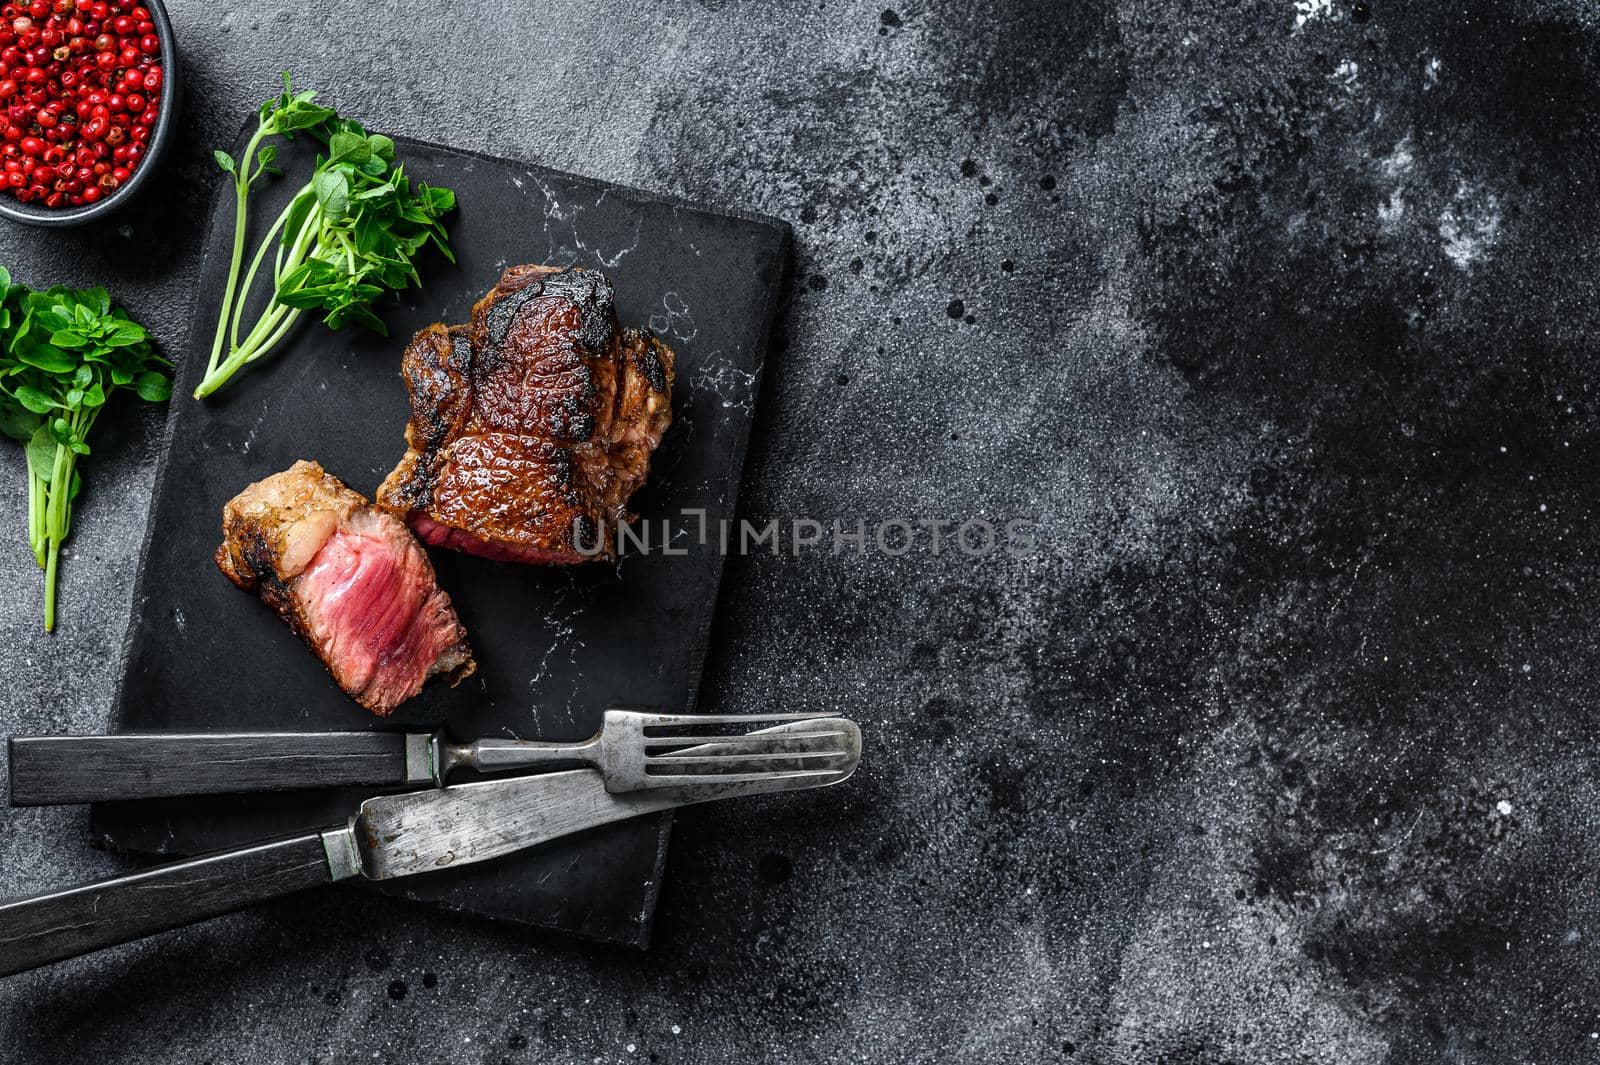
x: 424, y: 831
x: 389, y: 836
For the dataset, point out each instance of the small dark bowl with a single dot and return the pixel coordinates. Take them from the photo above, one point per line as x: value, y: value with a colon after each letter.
x: 160, y: 139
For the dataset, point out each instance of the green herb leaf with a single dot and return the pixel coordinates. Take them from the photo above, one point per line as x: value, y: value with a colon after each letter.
x: 126, y: 333
x: 440, y: 201
x: 19, y: 423
x: 58, y: 350
x: 153, y: 387
x: 47, y: 357
x: 35, y: 400
x: 333, y: 194
x: 225, y: 161
x: 348, y: 147
x: 41, y: 452
x: 350, y: 235
x: 300, y: 116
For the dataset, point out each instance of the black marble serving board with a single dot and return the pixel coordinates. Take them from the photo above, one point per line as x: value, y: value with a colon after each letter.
x: 555, y: 646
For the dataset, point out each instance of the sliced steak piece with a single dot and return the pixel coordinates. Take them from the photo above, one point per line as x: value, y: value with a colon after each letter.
x: 350, y: 580
x: 532, y: 425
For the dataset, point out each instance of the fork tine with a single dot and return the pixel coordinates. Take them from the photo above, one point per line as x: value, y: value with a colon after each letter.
x: 774, y: 756
x: 758, y: 742
x: 691, y: 720
x: 667, y: 780
x: 722, y: 766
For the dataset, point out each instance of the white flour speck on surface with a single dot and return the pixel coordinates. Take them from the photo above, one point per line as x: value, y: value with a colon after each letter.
x: 1390, y: 212
x: 1469, y: 226
x: 1311, y: 10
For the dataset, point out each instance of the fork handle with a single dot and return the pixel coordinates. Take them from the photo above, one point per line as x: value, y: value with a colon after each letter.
x: 50, y: 770
x: 500, y: 756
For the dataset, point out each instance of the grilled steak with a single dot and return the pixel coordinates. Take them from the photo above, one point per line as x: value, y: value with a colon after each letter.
x: 531, y: 425
x: 349, y: 579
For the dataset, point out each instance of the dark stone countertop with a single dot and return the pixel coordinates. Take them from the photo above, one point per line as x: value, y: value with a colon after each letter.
x: 1276, y: 315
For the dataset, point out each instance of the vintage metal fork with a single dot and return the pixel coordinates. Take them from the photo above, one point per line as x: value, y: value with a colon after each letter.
x: 635, y: 749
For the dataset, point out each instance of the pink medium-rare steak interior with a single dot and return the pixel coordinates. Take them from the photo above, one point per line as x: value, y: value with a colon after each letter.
x: 387, y: 624
x: 349, y: 579
x: 436, y: 535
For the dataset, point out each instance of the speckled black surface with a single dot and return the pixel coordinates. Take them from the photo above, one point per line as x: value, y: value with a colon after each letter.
x: 1281, y: 747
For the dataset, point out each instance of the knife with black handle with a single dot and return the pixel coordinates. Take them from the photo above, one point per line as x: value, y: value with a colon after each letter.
x: 389, y: 836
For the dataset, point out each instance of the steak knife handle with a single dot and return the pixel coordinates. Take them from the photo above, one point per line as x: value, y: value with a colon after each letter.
x: 51, y: 770
x: 63, y: 924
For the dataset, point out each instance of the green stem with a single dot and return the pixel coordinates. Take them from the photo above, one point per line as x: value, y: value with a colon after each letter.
x: 56, y: 528
x: 51, y: 563
x: 252, y: 347
x: 276, y: 335
x: 276, y: 321
x: 250, y: 352
x: 255, y: 265
x: 277, y: 267
x: 241, y: 190
x: 35, y: 519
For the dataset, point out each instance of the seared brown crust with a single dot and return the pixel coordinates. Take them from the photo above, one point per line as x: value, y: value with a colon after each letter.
x: 489, y: 484
x: 435, y: 370
x: 275, y: 528
x: 531, y: 426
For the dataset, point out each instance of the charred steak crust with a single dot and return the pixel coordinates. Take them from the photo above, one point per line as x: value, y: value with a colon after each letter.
x: 349, y: 579
x: 532, y: 425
